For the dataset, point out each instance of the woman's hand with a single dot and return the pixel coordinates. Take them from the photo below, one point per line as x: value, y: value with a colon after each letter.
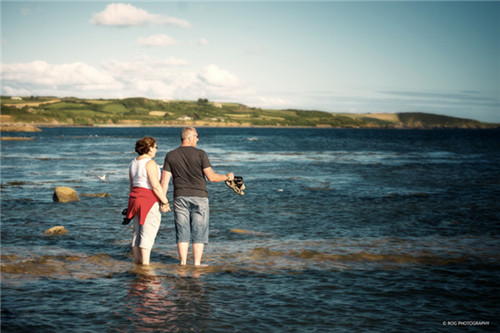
x: 165, y: 207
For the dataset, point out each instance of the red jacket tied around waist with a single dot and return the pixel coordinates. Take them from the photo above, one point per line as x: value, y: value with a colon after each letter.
x: 140, y: 201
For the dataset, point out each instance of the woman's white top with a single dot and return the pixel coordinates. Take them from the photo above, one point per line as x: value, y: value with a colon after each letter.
x: 139, y: 173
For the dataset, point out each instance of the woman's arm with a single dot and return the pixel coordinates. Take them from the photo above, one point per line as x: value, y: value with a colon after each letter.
x: 131, y: 181
x: 152, y: 170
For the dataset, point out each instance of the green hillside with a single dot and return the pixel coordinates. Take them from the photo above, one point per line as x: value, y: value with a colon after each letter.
x: 150, y: 112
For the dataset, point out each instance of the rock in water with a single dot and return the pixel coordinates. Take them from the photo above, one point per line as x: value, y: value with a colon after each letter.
x: 96, y: 195
x: 249, y: 232
x: 12, y: 138
x: 65, y: 194
x: 59, y: 230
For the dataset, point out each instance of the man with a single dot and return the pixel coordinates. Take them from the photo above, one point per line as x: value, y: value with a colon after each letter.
x: 189, y: 165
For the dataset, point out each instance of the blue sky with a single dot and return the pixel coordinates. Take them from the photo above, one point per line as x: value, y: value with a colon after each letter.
x: 354, y: 57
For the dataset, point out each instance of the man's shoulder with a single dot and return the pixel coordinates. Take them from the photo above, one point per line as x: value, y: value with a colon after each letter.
x: 200, y: 151
x: 191, y: 150
x: 173, y: 151
x: 181, y: 150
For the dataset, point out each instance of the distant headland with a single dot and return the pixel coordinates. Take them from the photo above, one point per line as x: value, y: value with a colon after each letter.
x: 26, y: 113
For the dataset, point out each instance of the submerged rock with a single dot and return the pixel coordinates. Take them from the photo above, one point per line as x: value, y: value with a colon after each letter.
x: 15, y: 138
x: 248, y: 232
x: 65, y: 194
x: 58, y: 230
x: 96, y: 195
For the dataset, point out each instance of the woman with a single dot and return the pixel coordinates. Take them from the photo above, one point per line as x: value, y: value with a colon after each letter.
x: 145, y: 193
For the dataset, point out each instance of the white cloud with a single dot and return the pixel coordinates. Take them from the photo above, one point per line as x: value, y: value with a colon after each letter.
x: 200, y: 42
x: 154, y: 87
x: 157, y: 40
x: 253, y: 50
x: 172, y: 61
x: 203, y: 42
x: 25, y: 11
x: 273, y: 102
x: 175, y: 21
x: 144, y: 67
x: 153, y: 78
x: 214, y: 76
x: 10, y: 91
x: 125, y: 15
x: 41, y: 73
x: 168, y: 77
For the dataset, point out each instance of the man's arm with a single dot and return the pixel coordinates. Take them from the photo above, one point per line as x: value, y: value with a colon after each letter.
x: 215, y: 177
x: 165, y: 179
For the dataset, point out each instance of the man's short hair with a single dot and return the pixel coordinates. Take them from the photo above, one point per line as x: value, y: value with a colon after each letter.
x: 186, y: 132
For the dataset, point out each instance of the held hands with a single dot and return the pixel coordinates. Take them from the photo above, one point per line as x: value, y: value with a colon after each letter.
x: 165, y: 207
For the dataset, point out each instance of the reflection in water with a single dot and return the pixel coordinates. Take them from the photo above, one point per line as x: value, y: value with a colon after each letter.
x: 147, y: 300
x: 166, y: 303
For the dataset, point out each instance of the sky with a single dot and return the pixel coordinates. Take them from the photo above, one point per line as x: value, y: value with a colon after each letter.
x: 335, y: 56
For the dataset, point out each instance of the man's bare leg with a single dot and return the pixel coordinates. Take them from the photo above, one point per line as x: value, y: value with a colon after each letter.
x: 198, y: 253
x: 182, y: 248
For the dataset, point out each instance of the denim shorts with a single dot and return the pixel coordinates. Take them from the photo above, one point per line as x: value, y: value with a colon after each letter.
x: 191, y: 219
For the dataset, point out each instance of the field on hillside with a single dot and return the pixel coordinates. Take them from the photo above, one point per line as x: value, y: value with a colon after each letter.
x: 151, y: 112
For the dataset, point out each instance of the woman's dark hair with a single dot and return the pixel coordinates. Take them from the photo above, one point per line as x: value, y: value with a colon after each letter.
x: 144, y: 145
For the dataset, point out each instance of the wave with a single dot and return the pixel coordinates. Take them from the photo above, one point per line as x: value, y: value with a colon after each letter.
x: 266, y: 256
x: 361, y: 257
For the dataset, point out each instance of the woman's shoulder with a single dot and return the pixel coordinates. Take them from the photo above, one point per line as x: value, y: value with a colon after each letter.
x: 138, y: 163
x: 151, y: 164
x: 142, y: 160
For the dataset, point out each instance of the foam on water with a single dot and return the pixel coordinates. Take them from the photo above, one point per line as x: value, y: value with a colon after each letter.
x: 264, y: 255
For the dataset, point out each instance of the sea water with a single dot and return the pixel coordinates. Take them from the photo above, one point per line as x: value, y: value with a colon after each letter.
x: 344, y: 230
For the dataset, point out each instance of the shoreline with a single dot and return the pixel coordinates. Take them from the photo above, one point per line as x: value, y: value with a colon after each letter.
x: 35, y: 127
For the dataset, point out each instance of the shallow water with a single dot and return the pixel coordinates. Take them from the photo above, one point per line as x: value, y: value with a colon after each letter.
x: 340, y: 230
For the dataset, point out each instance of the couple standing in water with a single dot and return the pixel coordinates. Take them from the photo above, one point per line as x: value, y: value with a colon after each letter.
x: 188, y: 166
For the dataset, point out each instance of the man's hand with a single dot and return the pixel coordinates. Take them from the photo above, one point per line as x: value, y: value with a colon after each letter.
x: 230, y: 176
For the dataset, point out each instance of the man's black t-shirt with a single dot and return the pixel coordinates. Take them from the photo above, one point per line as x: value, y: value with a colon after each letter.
x: 186, y: 165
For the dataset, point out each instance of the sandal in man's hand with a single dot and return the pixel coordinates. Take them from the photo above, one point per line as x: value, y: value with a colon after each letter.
x: 236, y: 184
